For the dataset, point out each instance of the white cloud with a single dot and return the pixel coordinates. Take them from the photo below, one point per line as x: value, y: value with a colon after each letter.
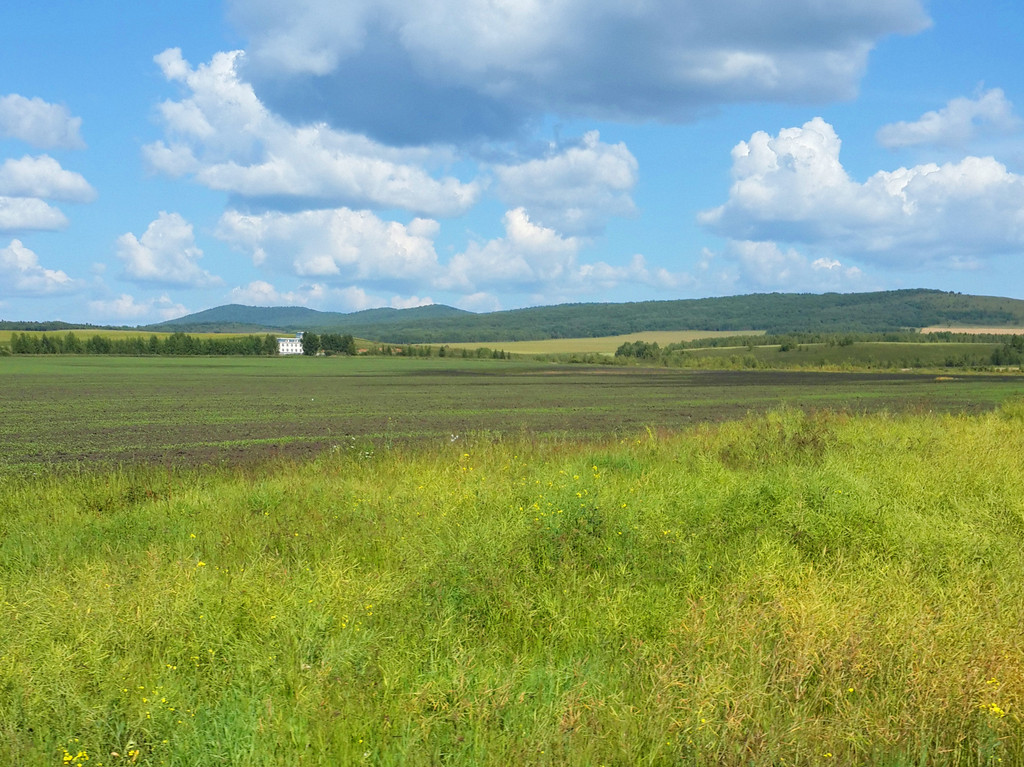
x: 477, y: 59
x: 43, y: 177
x: 259, y: 293
x: 527, y: 256
x: 22, y: 275
x: 23, y: 213
x: 351, y: 298
x: 262, y: 293
x: 165, y: 255
x: 23, y: 184
x: 765, y: 266
x: 410, y: 302
x: 793, y: 188
x: 126, y: 307
x: 956, y: 124
x: 344, y: 251
x: 537, y: 259
x: 480, y: 302
x: 339, y: 245
x: 573, y: 190
x: 39, y: 123
x: 356, y: 299
x: 175, y: 161
x: 602, y: 275
x: 223, y: 136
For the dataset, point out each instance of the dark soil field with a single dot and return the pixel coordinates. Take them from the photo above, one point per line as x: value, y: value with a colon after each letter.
x: 70, y: 411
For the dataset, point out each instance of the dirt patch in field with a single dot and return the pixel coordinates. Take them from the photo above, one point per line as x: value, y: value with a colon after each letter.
x: 223, y: 412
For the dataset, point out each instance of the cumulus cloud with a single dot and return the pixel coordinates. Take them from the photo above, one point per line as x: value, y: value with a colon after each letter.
x: 573, y: 190
x: 26, y: 182
x: 793, y: 188
x: 956, y: 124
x: 526, y: 257
x: 605, y: 276
x: 343, y: 252
x: 221, y: 135
x: 262, y: 293
x: 338, y: 246
x: 166, y: 254
x: 39, y: 123
x: 351, y: 298
x: 126, y: 307
x: 766, y: 266
x: 24, y: 213
x: 356, y: 299
x: 410, y: 302
x: 22, y: 275
x: 43, y: 177
x: 540, y: 260
x: 469, y: 68
x: 480, y: 302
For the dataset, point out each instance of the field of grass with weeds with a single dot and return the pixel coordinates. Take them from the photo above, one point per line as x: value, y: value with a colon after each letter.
x: 787, y: 589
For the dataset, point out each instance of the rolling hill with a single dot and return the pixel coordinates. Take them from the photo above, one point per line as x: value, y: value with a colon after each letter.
x: 771, y: 312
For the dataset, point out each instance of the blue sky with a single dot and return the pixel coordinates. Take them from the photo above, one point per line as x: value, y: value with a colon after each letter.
x: 161, y: 158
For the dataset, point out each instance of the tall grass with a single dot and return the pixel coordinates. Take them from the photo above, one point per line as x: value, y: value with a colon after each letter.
x: 785, y: 590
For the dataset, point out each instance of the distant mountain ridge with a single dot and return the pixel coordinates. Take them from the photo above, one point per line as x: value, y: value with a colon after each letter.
x: 235, y: 318
x: 772, y: 312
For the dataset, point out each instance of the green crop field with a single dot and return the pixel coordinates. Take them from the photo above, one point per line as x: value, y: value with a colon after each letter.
x: 69, y: 410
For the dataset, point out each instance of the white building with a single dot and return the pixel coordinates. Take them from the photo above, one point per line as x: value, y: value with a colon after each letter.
x: 290, y: 345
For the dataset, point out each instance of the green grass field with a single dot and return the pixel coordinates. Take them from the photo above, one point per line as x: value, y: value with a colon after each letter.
x: 785, y: 589
x: 83, y: 410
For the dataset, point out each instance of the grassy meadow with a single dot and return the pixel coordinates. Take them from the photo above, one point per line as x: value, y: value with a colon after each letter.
x: 424, y: 561
x: 783, y: 589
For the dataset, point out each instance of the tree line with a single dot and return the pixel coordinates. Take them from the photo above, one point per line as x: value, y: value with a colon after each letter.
x: 185, y: 345
x: 176, y: 345
x: 1010, y: 353
x: 328, y: 343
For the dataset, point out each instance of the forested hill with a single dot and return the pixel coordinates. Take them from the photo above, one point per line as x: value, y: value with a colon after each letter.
x: 771, y: 312
x: 235, y: 318
x: 50, y: 326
